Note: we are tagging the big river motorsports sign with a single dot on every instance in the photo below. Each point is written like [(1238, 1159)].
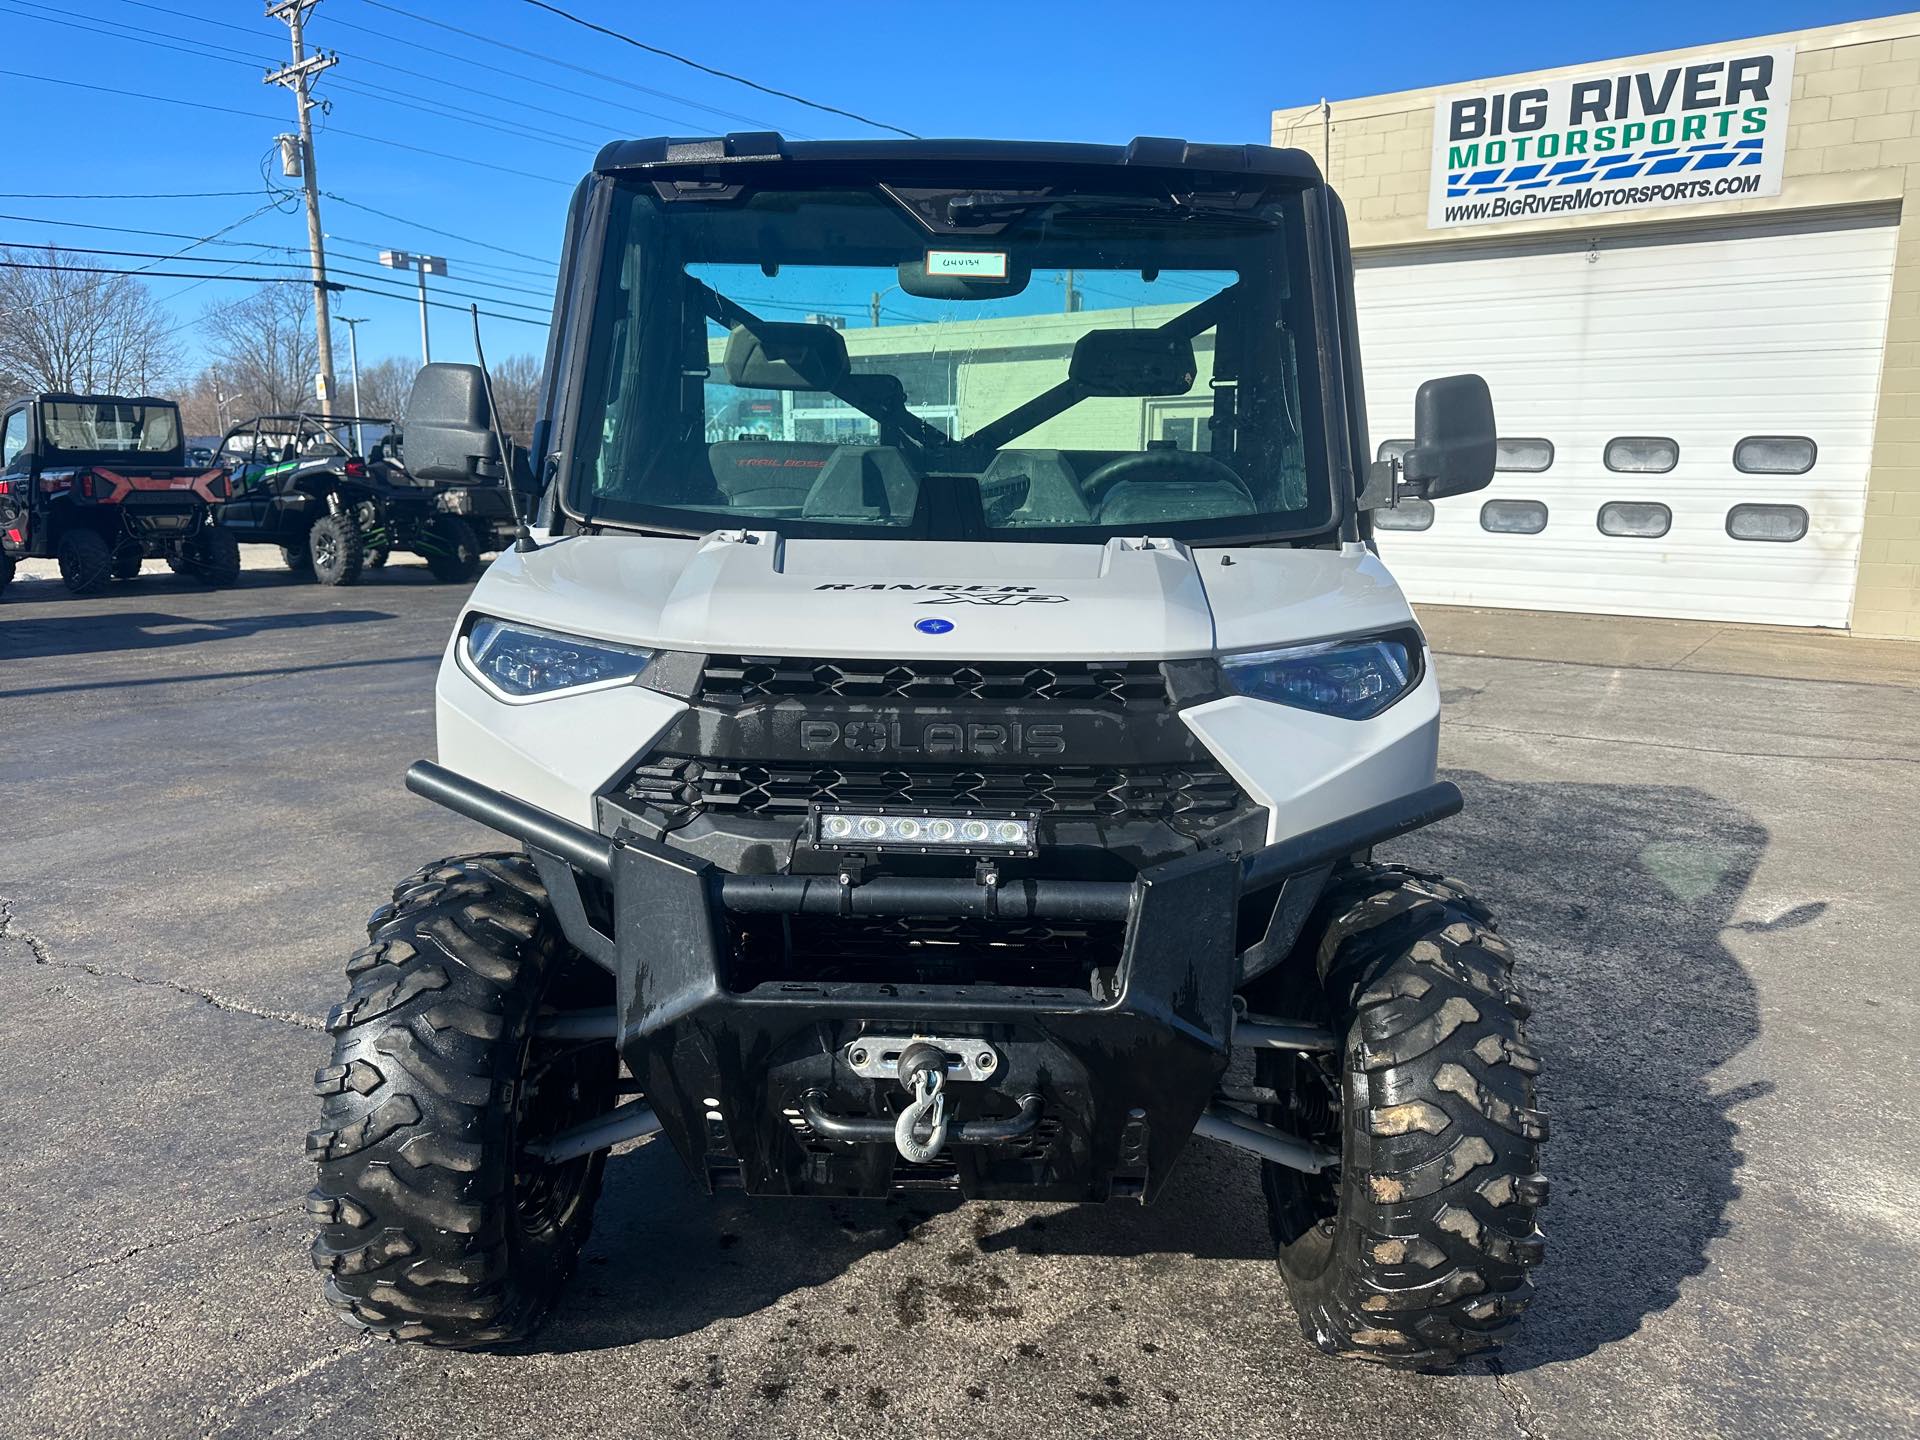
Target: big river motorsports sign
[(1708, 129)]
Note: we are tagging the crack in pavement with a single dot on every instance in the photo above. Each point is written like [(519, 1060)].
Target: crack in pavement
[(1516, 1402), (11, 929), (131, 1251)]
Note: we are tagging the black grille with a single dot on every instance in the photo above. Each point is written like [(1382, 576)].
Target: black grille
[(732, 681), (681, 786)]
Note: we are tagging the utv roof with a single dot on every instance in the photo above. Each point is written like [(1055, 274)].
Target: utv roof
[(1144, 152), (62, 397)]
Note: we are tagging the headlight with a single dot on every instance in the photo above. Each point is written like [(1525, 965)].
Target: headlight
[(524, 660), (1354, 679)]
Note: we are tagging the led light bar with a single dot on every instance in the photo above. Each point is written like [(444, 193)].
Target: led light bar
[(926, 832)]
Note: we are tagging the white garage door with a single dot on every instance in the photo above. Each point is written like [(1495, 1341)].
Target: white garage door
[(1686, 415)]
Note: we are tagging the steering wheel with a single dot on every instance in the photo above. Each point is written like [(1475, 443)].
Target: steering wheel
[(1160, 465)]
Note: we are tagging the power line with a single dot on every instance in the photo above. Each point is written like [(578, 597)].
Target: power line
[(246, 30), (276, 120), (142, 195), (362, 58), (525, 79), (205, 48), (465, 260), (434, 230), (488, 281), (696, 65), (285, 249), (259, 280), (214, 238), (464, 117), (569, 65), (480, 281), (139, 34), (332, 265)]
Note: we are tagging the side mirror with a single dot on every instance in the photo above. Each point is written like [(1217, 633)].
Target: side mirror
[(1454, 443), (450, 435)]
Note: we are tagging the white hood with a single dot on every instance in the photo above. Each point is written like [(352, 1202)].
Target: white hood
[(738, 592)]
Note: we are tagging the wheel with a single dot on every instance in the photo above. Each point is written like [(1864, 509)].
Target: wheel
[(6, 572), (1419, 1247), (299, 559), (212, 557), (377, 557), (435, 1226), (450, 549), (334, 544), (127, 562), (86, 561)]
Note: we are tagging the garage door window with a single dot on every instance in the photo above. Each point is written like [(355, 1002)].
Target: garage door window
[(1513, 517), (1641, 455), (1644, 519), (1526, 457), (1774, 455), (1407, 515), (1780, 523)]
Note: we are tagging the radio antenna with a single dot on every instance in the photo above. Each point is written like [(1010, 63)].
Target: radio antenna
[(522, 536)]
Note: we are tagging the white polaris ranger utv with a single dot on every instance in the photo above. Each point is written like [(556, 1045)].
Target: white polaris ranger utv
[(946, 704)]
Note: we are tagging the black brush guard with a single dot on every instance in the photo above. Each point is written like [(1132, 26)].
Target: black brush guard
[(1097, 1093)]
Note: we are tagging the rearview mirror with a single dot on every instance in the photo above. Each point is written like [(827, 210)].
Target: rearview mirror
[(964, 275), (783, 355), (1453, 439), (1132, 362)]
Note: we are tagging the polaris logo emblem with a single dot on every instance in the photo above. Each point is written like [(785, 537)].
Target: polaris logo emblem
[(933, 737)]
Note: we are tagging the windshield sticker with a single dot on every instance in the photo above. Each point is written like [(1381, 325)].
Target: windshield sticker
[(976, 264), (930, 626)]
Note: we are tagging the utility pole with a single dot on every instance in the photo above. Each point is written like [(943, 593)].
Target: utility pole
[(353, 359), (298, 77), (426, 265)]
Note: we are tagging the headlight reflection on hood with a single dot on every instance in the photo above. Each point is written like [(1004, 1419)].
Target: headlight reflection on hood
[(523, 660), (1353, 679)]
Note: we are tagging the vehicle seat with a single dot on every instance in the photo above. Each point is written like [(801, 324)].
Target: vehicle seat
[(762, 474), (863, 482)]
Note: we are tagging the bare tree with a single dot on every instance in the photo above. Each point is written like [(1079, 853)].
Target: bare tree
[(516, 390), (384, 387), (64, 329), (264, 349)]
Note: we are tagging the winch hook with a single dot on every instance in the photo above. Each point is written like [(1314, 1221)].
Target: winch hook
[(923, 1072)]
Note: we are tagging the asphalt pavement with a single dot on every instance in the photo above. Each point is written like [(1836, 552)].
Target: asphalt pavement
[(1706, 870)]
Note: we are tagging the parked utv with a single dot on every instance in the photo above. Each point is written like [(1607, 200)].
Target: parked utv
[(100, 483), (481, 501), (945, 754), (301, 482)]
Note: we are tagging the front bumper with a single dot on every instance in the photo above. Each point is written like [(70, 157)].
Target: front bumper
[(1098, 1090)]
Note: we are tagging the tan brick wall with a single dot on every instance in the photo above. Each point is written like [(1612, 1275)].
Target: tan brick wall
[(1853, 138)]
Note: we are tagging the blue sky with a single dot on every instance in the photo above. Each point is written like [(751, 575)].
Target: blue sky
[(1200, 69)]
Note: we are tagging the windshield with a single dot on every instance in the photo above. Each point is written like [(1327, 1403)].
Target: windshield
[(1037, 366), (99, 427)]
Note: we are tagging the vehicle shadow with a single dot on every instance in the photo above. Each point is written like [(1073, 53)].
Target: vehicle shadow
[(1615, 898), (91, 632)]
